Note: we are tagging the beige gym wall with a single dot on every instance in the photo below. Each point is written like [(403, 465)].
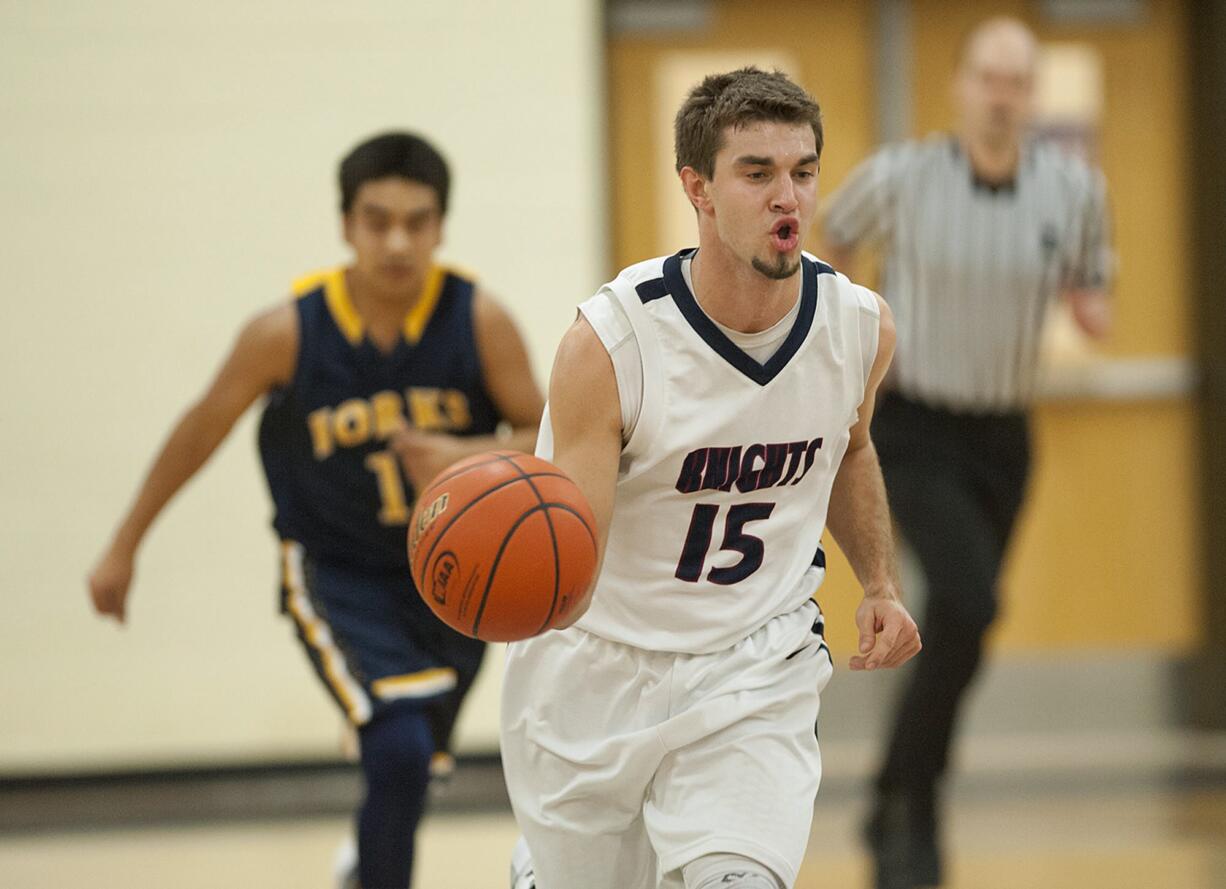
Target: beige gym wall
[(167, 170)]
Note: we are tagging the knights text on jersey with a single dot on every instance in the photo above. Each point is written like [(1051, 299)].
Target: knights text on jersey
[(337, 487), (725, 481)]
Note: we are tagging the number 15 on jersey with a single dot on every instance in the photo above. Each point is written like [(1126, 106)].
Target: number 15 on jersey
[(736, 539)]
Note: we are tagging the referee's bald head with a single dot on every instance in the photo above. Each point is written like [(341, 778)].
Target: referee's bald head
[(1001, 35), (994, 85)]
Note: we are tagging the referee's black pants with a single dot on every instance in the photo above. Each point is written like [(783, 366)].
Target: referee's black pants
[(955, 484)]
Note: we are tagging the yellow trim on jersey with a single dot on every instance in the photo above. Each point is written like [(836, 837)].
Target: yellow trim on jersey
[(415, 685), (345, 313), (336, 295), (311, 281), (319, 636), (423, 310)]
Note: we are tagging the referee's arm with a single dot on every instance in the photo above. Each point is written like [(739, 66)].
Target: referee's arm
[(1088, 281), (860, 210)]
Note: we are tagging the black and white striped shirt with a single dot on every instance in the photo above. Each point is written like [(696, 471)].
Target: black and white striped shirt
[(970, 268)]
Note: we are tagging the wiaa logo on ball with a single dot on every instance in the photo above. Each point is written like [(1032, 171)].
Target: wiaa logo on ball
[(446, 567)]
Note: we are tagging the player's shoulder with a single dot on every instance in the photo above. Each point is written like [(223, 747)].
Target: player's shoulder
[(642, 282), (268, 342), (607, 318), (458, 284), (316, 282), (640, 276), (837, 287), (635, 291), (453, 272)]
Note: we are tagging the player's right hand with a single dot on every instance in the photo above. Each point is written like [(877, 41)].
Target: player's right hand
[(109, 582), (888, 635)]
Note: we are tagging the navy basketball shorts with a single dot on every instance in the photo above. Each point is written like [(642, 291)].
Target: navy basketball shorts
[(373, 642)]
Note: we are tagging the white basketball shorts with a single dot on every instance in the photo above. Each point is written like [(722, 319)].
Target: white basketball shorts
[(623, 764)]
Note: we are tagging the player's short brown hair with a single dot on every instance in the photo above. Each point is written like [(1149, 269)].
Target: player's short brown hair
[(747, 95), (406, 155)]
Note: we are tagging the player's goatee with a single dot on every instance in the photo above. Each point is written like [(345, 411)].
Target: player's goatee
[(779, 271)]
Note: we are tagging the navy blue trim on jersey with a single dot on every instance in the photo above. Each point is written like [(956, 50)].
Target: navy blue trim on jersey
[(819, 630), (718, 340), (819, 558), (651, 290)]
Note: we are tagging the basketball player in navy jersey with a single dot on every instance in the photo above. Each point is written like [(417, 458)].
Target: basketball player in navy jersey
[(714, 408), (375, 376)]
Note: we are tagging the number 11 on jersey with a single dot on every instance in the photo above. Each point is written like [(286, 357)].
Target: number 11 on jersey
[(698, 541)]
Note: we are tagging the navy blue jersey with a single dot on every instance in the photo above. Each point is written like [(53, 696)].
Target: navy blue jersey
[(336, 487)]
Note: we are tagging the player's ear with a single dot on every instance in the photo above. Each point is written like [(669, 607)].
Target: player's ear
[(347, 228), (695, 185)]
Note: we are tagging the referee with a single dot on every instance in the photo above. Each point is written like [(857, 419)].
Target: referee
[(978, 231)]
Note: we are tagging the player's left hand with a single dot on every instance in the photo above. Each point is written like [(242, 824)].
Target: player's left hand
[(424, 454), (888, 635)]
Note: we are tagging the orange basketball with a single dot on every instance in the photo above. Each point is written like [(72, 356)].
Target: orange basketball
[(502, 546)]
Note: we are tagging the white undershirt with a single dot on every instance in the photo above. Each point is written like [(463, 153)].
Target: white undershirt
[(759, 346)]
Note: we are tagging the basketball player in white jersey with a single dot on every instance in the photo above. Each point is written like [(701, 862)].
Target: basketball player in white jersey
[(713, 406)]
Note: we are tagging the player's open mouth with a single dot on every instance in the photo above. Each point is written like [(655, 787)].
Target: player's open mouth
[(785, 235)]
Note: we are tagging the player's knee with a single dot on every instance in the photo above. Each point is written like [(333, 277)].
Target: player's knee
[(396, 747), (725, 871)]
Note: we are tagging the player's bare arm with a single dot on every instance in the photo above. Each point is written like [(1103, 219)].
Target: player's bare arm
[(585, 417), (508, 378), (263, 357), (859, 519)]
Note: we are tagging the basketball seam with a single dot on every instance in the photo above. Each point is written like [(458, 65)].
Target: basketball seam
[(566, 507), (470, 504), (502, 548), (557, 565), (553, 539), (446, 478), (543, 506)]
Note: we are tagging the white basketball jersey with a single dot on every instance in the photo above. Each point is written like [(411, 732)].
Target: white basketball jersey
[(726, 475)]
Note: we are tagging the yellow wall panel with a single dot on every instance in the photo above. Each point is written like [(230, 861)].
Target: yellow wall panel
[(1105, 551)]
